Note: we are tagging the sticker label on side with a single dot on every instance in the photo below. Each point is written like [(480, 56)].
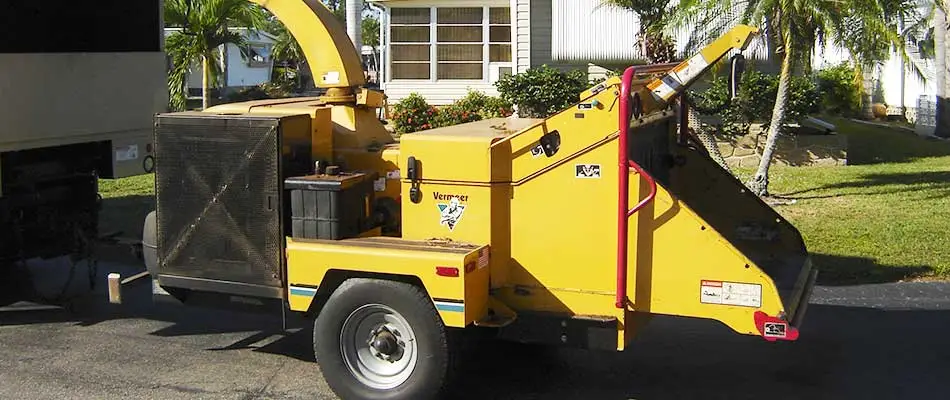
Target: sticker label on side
[(662, 89), (587, 171), (394, 174), (687, 71), (775, 329), (331, 77), (585, 106), (483, 258), (451, 213), (731, 293), (537, 151), (127, 153), (379, 185)]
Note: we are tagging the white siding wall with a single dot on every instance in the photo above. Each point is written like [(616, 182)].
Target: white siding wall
[(589, 31), (439, 94), (522, 9)]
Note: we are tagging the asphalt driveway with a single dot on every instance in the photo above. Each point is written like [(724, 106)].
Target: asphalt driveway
[(877, 341)]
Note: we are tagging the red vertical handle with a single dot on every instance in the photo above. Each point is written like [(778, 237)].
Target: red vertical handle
[(623, 173), (624, 163)]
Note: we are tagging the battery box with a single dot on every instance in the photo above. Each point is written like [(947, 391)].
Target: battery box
[(330, 206)]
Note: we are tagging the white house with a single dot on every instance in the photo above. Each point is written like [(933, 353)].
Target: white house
[(442, 48), (237, 71)]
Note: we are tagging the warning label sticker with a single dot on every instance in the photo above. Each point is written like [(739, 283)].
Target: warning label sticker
[(685, 72), (483, 258), (127, 153), (730, 293), (663, 89)]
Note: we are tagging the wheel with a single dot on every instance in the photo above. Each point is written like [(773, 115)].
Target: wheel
[(378, 339)]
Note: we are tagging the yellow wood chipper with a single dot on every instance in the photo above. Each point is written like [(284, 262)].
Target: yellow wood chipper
[(570, 230)]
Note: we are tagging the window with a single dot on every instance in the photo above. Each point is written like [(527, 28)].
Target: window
[(410, 33), (450, 43), (258, 55)]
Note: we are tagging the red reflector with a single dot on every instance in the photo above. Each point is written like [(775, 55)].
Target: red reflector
[(447, 271), (469, 267)]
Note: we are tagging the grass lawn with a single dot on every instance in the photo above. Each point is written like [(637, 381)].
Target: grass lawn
[(884, 217)]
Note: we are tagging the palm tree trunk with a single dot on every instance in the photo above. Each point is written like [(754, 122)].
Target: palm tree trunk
[(759, 184), (867, 99), (942, 121), (205, 72)]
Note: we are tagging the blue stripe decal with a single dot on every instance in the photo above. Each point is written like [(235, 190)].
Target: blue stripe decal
[(449, 307), (302, 291)]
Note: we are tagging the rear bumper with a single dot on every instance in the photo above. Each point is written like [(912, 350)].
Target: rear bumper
[(786, 327), (798, 316)]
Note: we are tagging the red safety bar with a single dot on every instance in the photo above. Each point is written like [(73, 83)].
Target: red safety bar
[(624, 164)]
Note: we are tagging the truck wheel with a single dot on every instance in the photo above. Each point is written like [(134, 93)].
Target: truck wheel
[(378, 339)]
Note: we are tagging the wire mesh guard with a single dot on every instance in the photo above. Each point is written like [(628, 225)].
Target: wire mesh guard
[(217, 190)]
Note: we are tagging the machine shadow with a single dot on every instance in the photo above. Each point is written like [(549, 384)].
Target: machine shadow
[(844, 353), (837, 270)]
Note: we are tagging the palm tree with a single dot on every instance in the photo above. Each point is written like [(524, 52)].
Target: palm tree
[(657, 47), (286, 50), (204, 28), (795, 26), (654, 44)]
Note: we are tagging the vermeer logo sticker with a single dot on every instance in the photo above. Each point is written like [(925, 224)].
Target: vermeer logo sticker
[(587, 171), (451, 212)]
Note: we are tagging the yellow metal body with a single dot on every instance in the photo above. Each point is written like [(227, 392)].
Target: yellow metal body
[(459, 300), (529, 231)]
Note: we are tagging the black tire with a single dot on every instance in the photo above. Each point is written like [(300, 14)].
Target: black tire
[(431, 367)]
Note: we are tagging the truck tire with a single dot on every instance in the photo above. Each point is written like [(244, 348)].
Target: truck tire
[(378, 339), (150, 244)]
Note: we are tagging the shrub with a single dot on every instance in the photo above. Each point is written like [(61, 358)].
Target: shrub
[(474, 106), (496, 107), (484, 105), (413, 114), (454, 114), (756, 100), (838, 90), (542, 91)]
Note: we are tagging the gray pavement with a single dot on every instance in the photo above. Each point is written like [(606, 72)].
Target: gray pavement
[(885, 341)]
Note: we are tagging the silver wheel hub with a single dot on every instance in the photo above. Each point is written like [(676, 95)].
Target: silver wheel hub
[(378, 346)]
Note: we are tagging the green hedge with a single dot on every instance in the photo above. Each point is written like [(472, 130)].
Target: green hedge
[(543, 91), (413, 113), (840, 93), (831, 91), (756, 100)]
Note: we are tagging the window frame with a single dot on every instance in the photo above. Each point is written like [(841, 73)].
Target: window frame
[(488, 66)]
